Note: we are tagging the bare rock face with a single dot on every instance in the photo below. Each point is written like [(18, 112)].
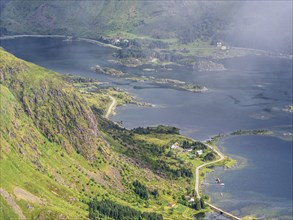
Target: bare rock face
[(57, 110), (64, 118)]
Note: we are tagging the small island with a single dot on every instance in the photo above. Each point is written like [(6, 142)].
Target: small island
[(252, 132), (173, 83), (208, 66), (108, 71)]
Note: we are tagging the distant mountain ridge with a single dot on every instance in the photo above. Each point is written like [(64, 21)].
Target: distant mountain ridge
[(243, 23)]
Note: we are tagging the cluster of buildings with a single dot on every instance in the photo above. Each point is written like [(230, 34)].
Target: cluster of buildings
[(188, 198), (119, 40), (176, 145), (221, 46)]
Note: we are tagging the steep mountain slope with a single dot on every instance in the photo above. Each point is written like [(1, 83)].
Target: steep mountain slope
[(39, 131), (55, 108), (60, 156)]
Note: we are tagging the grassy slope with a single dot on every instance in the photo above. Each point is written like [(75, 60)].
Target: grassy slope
[(56, 109), (64, 176), (26, 153)]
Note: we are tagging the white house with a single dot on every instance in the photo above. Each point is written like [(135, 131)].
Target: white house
[(219, 44), (191, 199), (117, 41), (199, 152), (224, 47), (175, 146)]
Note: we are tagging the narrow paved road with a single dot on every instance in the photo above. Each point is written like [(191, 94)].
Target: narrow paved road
[(111, 107), (196, 187)]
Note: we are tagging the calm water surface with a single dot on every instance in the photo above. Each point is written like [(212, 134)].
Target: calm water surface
[(251, 94), (262, 187)]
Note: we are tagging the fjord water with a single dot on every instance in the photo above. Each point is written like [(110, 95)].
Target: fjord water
[(251, 94), (262, 185)]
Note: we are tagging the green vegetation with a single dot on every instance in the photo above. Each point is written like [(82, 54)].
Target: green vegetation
[(252, 132), (161, 129), (210, 156), (169, 83), (123, 18), (53, 131), (140, 190), (6, 213), (108, 71), (108, 208), (151, 153), (156, 33), (196, 204)]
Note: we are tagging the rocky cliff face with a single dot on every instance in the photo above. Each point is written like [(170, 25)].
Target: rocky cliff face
[(56, 109)]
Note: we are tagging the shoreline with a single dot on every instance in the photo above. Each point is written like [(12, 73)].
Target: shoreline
[(59, 36), (111, 108), (257, 52), (197, 182), (242, 163)]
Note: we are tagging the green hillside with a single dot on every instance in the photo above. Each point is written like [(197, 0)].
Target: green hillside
[(238, 23), (61, 159), (93, 18)]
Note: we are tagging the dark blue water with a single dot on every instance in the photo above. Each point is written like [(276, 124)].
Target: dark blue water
[(262, 187), (251, 94)]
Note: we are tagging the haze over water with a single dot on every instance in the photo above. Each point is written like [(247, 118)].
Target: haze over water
[(251, 94)]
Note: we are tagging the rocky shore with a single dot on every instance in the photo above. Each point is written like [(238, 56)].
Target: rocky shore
[(108, 71), (208, 66)]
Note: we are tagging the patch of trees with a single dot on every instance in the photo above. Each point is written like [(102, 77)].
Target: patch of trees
[(155, 193), (133, 53), (209, 156), (198, 145), (158, 44), (108, 208), (246, 132), (150, 153), (141, 190), (197, 204), (186, 144), (161, 129), (181, 171), (195, 144)]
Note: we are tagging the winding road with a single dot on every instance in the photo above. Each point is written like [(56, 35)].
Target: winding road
[(196, 187), (111, 107)]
